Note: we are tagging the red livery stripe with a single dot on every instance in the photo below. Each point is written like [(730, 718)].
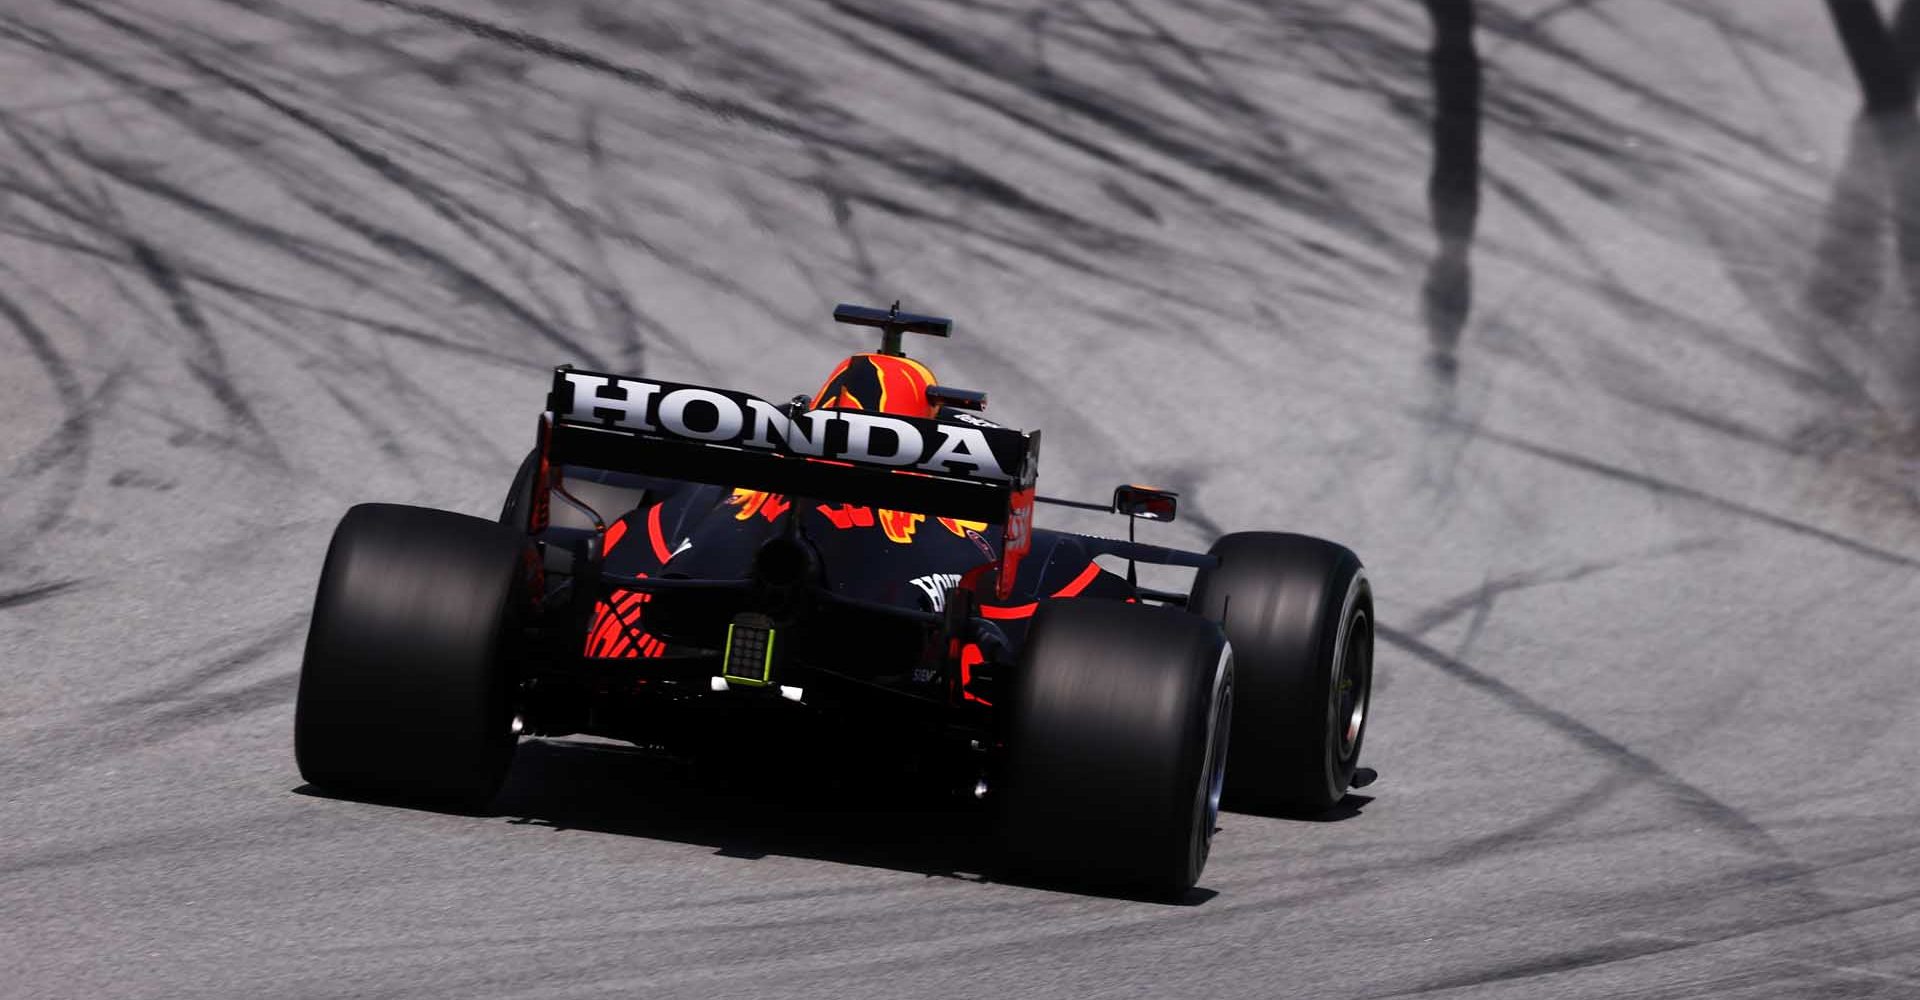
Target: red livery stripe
[(660, 550), (1072, 589)]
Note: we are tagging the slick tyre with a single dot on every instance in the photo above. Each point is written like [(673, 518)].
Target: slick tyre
[(1116, 746), (513, 510), (1299, 612), (404, 691)]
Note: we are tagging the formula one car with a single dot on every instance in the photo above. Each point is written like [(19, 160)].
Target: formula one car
[(704, 571)]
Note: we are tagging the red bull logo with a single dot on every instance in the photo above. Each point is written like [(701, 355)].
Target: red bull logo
[(960, 528), (751, 502), (847, 516), (900, 525)]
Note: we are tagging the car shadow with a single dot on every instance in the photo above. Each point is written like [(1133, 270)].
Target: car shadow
[(609, 788), (874, 822), (1345, 809)]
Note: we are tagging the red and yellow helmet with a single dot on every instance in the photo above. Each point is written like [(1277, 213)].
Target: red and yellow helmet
[(878, 383)]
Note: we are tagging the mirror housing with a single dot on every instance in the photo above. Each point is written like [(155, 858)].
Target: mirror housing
[(1146, 502), (959, 399)]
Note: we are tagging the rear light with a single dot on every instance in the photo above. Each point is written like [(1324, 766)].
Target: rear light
[(750, 648)]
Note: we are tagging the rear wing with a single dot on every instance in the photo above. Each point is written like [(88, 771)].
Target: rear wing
[(728, 438)]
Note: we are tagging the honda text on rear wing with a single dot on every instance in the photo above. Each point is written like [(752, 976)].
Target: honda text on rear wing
[(728, 438)]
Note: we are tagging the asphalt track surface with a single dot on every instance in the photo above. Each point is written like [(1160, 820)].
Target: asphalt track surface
[(1595, 330)]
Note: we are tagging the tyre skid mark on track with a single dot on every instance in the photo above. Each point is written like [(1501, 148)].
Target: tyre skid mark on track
[(725, 109), (454, 274), (1664, 487), (461, 213), (1689, 797), (33, 595), (1525, 33), (1607, 284), (226, 835), (867, 276), (1217, 99), (934, 169), (197, 274), (269, 301), (1041, 248), (97, 212), (206, 710), (168, 710), (168, 102), (322, 256), (1318, 197), (1144, 927), (927, 167), (1681, 897), (1694, 800), (326, 259), (1478, 602), (1845, 276), (620, 319), (1512, 106), (1624, 950), (1638, 945), (61, 755), (65, 453), (1648, 905), (208, 364), (1481, 598), (274, 637), (1341, 884), (389, 443)]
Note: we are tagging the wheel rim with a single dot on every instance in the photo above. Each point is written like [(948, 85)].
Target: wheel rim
[(1352, 686), (1217, 759), (1213, 774)]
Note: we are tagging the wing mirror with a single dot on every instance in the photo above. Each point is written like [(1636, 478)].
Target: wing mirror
[(959, 399), (1146, 502)]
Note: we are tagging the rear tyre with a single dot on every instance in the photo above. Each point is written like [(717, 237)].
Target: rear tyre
[(404, 691), (513, 510), (1117, 746), (1299, 612)]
